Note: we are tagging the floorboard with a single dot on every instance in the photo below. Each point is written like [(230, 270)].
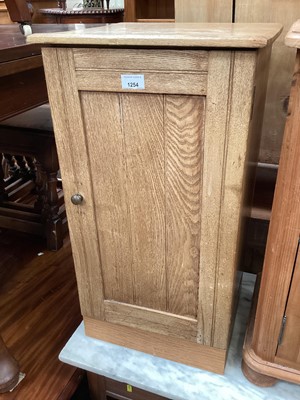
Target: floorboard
[(39, 310)]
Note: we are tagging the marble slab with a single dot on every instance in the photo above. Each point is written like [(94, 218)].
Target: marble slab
[(173, 380)]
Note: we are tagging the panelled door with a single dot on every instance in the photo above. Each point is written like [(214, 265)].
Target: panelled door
[(155, 143)]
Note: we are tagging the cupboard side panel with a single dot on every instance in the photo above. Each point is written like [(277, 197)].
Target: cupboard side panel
[(214, 141), (233, 188), (75, 168), (107, 153), (184, 132)]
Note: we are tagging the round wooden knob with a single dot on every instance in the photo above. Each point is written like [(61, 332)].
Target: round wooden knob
[(77, 199)]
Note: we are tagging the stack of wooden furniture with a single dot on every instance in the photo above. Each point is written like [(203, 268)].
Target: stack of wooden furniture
[(272, 346), (156, 216)]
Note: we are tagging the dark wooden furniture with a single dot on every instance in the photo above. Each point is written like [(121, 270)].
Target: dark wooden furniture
[(102, 388), (86, 16), (30, 199), (22, 88), (272, 346), (149, 10)]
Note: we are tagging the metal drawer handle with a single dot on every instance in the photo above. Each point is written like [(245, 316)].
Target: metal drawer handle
[(77, 199)]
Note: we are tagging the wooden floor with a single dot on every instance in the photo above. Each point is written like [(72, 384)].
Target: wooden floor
[(39, 311)]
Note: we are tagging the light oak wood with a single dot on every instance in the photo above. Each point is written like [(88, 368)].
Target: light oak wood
[(177, 241), (69, 133), (184, 119), (140, 59), (163, 190), (151, 320), (175, 349), (155, 82), (178, 35), (203, 10), (281, 68)]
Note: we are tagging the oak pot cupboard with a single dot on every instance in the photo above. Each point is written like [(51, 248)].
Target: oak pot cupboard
[(157, 129)]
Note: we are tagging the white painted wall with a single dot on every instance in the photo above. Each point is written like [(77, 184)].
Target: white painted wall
[(112, 3)]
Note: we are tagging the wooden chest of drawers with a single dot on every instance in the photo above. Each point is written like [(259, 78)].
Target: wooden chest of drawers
[(155, 126)]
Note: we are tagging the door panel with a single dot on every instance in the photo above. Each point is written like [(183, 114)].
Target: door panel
[(183, 130), (145, 154)]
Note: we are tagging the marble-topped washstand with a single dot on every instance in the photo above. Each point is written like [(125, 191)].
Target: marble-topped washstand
[(172, 380)]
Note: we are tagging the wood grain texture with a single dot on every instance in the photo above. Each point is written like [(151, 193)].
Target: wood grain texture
[(289, 349), (151, 320), (164, 193), (213, 155), (228, 110), (283, 235), (165, 34), (184, 129), (136, 210), (109, 180), (281, 69), (173, 349), (143, 130), (71, 147), (233, 188), (145, 155), (141, 59), (203, 10), (39, 311), (155, 82)]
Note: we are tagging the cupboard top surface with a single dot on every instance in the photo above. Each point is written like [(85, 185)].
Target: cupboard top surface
[(237, 35), (292, 38)]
